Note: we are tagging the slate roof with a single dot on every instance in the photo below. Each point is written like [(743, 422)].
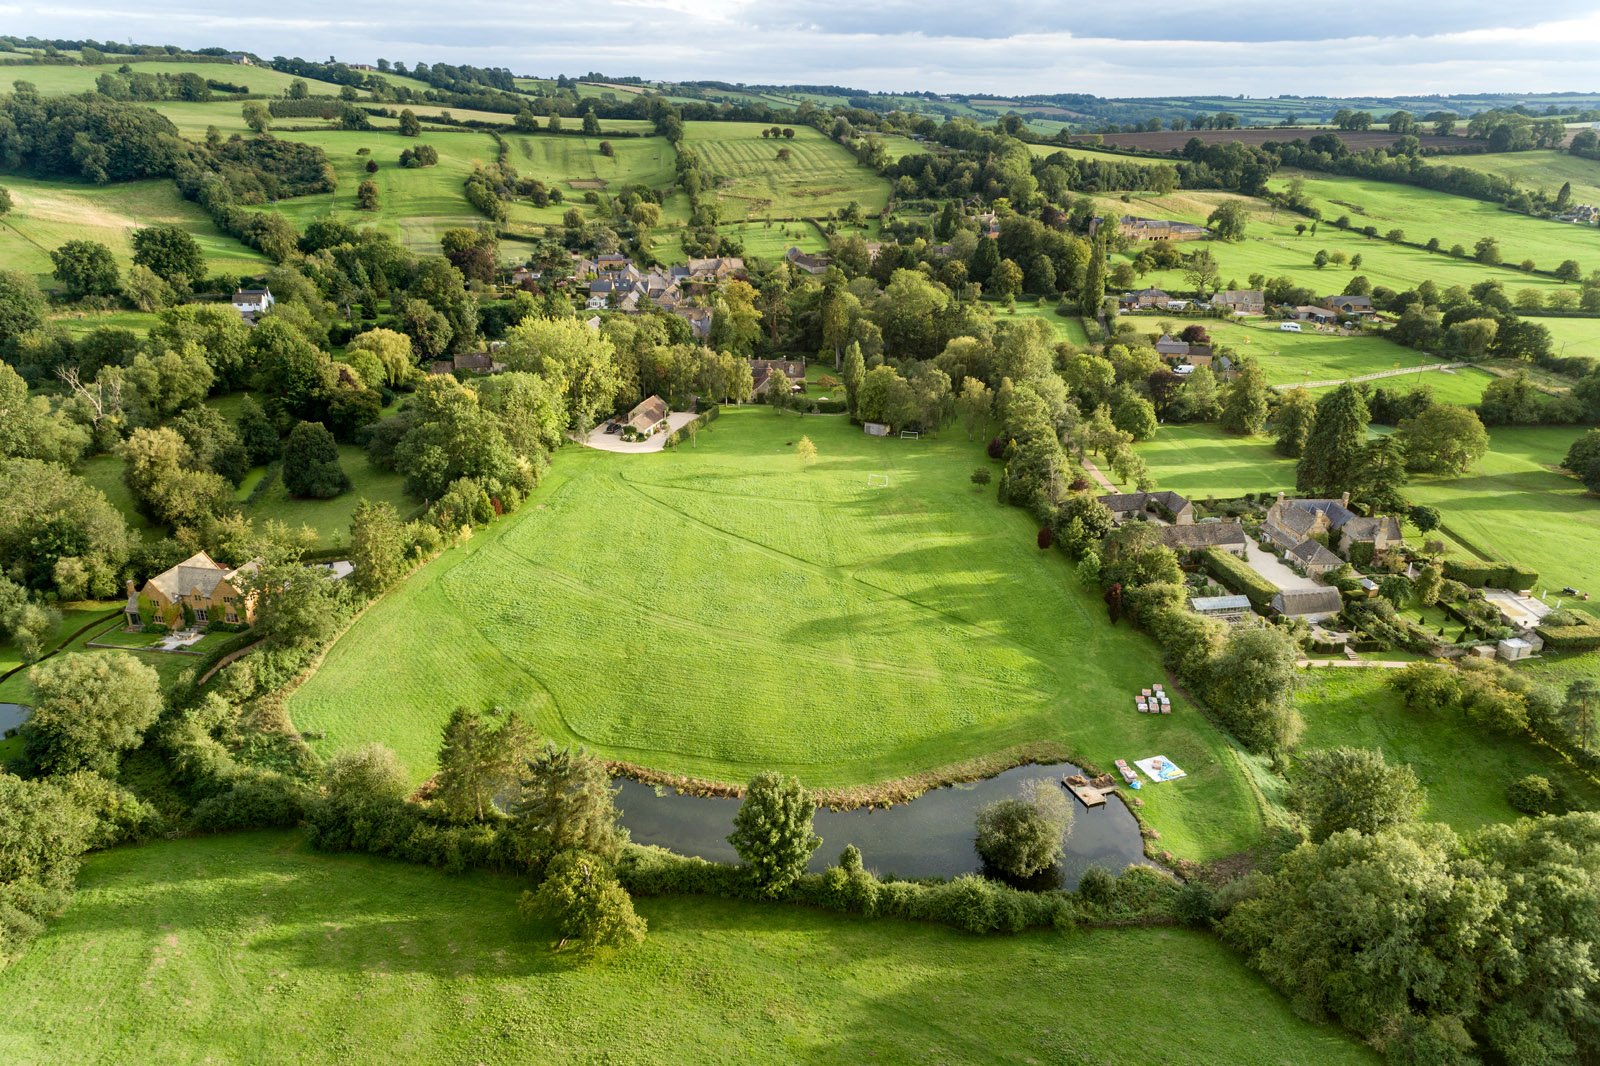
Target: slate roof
[(199, 571), (1207, 535), (1311, 553), (650, 412), (1138, 501)]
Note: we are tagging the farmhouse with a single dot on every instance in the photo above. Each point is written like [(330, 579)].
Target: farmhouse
[(1241, 301), (762, 371), (1314, 559), (1319, 315), (811, 264), (1291, 523), (1158, 229), (212, 593), (1168, 505), (1144, 299), (1229, 536), (252, 302), (649, 416), (1349, 305)]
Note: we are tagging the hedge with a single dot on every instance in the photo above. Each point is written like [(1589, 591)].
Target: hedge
[(1490, 575), (1571, 638), (703, 419), (1239, 577)]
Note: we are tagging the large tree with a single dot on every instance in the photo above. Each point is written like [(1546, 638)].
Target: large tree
[(479, 758), (311, 463), (1443, 439), (171, 252), (1293, 420), (1352, 788), (1024, 836), (589, 907), (87, 710), (772, 831), (1244, 401), (1335, 452), (1252, 689), (566, 802), (85, 268), (579, 361)]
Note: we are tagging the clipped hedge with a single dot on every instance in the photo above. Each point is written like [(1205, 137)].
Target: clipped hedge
[(1239, 577), (1571, 638), (1479, 575), (702, 420)]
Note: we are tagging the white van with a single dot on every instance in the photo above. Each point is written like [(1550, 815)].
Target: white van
[(1288, 327)]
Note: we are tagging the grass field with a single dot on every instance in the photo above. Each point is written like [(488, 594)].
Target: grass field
[(417, 206), (560, 161), (1425, 213), (820, 177), (654, 607), (16, 689), (62, 80), (1068, 329), (1540, 171), (331, 518), (1200, 460), (1272, 248), (1574, 336), (1295, 358), (47, 214), (252, 948), (78, 323), (1464, 769), (104, 472), (1516, 505), (74, 616)]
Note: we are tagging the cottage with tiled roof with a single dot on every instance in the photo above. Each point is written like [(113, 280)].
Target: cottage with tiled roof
[(649, 416), (1168, 505), (1228, 536), (211, 592)]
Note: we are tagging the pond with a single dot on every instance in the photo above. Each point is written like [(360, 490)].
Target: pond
[(11, 716), (932, 836)]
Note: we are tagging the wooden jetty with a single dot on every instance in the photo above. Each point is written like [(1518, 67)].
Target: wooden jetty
[(1088, 795)]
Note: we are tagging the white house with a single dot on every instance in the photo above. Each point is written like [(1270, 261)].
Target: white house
[(252, 301)]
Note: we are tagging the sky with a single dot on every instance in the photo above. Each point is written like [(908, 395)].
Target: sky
[(1104, 47)]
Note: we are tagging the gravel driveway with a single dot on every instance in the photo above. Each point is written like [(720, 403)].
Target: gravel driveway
[(600, 440)]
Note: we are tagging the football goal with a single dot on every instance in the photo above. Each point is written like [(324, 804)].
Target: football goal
[(877, 481), (910, 434)]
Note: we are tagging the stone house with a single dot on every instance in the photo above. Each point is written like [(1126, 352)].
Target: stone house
[(1290, 523), (1167, 505), (1241, 301), (212, 592)]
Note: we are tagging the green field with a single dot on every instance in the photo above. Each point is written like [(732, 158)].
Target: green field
[(722, 610), (252, 948), (1272, 248), (416, 206), (819, 178), (1199, 460), (575, 166), (1574, 336), (1067, 329), (1425, 213), (104, 472), (168, 665), (1542, 171), (61, 80), (47, 214), (331, 518), (78, 323), (1463, 769), (1517, 506), (1296, 358)]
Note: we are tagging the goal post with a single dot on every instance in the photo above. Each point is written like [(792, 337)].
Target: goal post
[(877, 481), (910, 434)]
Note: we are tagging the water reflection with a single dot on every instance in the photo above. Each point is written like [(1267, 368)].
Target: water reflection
[(932, 836)]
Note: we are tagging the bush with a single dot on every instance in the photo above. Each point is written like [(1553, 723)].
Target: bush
[(997, 448), (1535, 795), (1571, 638), (1238, 577), (256, 801), (1045, 537), (1476, 574), (1097, 886)]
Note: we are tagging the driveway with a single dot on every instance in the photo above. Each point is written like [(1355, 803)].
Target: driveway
[(1273, 569), (600, 440)]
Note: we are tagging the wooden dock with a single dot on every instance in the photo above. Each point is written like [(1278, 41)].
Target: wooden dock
[(1089, 795)]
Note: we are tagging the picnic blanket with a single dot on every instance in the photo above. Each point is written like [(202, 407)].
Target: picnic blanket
[(1159, 768)]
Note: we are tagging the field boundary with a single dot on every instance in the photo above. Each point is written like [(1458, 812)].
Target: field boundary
[(1431, 367)]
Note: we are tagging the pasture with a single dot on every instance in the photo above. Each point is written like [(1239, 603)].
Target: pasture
[(1068, 329), (653, 607), (47, 214), (1519, 506), (1298, 358), (1174, 140), (249, 947), (1574, 336), (1463, 768), (53, 80), (820, 177), (416, 206), (1200, 460), (1541, 171)]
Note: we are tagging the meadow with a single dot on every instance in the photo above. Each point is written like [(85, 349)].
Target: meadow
[(1463, 769), (53, 80), (1200, 460), (1574, 336), (1066, 329), (1541, 171), (48, 214), (654, 608), (416, 206), (1299, 358), (251, 947), (1272, 248), (1517, 505), (819, 178), (331, 518)]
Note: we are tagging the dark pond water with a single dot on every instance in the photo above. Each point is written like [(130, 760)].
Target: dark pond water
[(11, 716), (929, 837)]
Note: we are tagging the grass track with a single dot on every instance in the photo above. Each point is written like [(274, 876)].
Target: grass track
[(720, 610), (251, 948)]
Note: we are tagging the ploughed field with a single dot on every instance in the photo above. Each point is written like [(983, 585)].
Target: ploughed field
[(723, 609)]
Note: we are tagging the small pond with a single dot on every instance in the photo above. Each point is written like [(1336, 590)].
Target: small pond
[(932, 836), (11, 716)]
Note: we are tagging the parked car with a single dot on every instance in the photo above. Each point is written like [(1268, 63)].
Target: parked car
[(613, 427)]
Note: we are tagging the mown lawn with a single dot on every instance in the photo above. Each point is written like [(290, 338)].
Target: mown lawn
[(1067, 329), (17, 689), (1517, 505), (1200, 460), (1464, 769), (251, 948), (331, 518), (1299, 358), (720, 610), (47, 214), (819, 177)]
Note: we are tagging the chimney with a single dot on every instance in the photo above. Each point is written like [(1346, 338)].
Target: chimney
[(1344, 501), (130, 587), (1280, 495)]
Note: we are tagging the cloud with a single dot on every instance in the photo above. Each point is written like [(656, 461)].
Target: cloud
[(1157, 48)]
